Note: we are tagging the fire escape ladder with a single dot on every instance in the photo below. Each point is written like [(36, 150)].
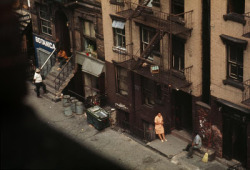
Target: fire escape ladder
[(137, 12)]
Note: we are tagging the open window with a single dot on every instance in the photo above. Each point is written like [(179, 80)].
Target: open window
[(178, 53), (89, 40), (235, 11)]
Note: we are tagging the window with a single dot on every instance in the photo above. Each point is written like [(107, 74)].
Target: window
[(178, 54), (119, 34), (152, 92), (91, 85), (121, 81), (178, 7), (146, 35), (235, 11), (235, 63), (236, 6), (117, 2), (89, 40), (45, 20), (234, 51), (142, 2)]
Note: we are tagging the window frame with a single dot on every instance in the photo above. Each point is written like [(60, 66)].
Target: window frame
[(143, 44), (180, 54), (155, 92), (236, 63), (124, 80), (88, 39), (45, 22), (122, 37)]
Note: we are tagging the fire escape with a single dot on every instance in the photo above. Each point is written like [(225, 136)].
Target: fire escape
[(163, 23), (246, 84)]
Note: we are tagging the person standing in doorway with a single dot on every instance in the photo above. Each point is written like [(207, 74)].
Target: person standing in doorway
[(39, 82), (159, 129)]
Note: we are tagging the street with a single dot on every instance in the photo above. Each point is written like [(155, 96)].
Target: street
[(112, 144)]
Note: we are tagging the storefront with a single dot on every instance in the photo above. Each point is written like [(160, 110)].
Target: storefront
[(43, 49)]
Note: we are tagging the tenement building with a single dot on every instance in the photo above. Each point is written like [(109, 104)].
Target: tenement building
[(189, 60), (76, 28)]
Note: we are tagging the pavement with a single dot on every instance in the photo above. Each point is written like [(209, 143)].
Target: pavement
[(117, 145)]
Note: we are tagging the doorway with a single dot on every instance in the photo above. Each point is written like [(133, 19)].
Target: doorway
[(62, 31), (234, 139), (182, 109)]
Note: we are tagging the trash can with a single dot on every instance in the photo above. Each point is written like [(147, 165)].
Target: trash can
[(66, 99), (79, 108), (98, 117), (73, 105), (67, 109)]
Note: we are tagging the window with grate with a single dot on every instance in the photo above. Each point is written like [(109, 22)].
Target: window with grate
[(45, 20)]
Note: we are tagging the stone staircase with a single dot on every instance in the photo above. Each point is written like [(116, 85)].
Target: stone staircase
[(55, 83)]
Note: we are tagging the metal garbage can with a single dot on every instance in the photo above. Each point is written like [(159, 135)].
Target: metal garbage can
[(79, 108), (73, 105), (98, 117), (67, 109), (66, 99)]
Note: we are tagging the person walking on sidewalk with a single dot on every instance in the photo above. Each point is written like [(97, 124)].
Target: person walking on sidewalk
[(39, 82), (159, 129), (196, 144)]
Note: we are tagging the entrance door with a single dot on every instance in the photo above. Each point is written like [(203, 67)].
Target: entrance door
[(182, 110), (234, 140)]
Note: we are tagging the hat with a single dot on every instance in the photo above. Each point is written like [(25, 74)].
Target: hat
[(37, 70)]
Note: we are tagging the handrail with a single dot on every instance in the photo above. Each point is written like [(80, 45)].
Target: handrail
[(62, 72), (48, 58)]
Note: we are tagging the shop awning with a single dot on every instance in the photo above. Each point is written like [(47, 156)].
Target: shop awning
[(93, 66), (118, 24)]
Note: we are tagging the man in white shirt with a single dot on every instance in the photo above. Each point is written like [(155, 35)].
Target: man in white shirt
[(39, 82), (196, 144)]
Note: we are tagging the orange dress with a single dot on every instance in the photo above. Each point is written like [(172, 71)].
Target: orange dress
[(159, 129)]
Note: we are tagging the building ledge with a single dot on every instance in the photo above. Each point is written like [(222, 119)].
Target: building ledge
[(235, 17)]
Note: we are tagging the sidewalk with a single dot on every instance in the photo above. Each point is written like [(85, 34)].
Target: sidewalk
[(172, 149)]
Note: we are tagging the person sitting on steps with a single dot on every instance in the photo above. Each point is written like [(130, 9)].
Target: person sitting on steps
[(196, 144), (62, 58)]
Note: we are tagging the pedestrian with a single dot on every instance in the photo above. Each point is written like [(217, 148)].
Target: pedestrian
[(159, 129), (62, 58), (195, 145), (39, 82)]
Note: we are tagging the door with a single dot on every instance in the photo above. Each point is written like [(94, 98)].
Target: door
[(182, 110), (234, 140)]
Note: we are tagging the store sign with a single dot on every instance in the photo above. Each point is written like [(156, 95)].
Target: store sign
[(44, 42)]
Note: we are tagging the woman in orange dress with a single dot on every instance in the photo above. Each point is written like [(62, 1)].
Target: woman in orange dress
[(159, 129)]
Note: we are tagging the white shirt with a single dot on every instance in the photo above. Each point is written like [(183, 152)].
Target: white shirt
[(197, 141), (38, 78)]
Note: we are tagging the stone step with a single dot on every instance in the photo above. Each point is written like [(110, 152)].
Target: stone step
[(182, 134)]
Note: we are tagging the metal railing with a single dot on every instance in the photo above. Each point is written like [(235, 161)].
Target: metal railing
[(64, 73), (246, 92), (184, 19), (246, 28), (187, 72)]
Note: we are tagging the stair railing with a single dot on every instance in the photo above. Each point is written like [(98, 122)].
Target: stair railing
[(63, 74)]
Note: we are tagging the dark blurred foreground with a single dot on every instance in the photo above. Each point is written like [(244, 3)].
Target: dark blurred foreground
[(26, 142)]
